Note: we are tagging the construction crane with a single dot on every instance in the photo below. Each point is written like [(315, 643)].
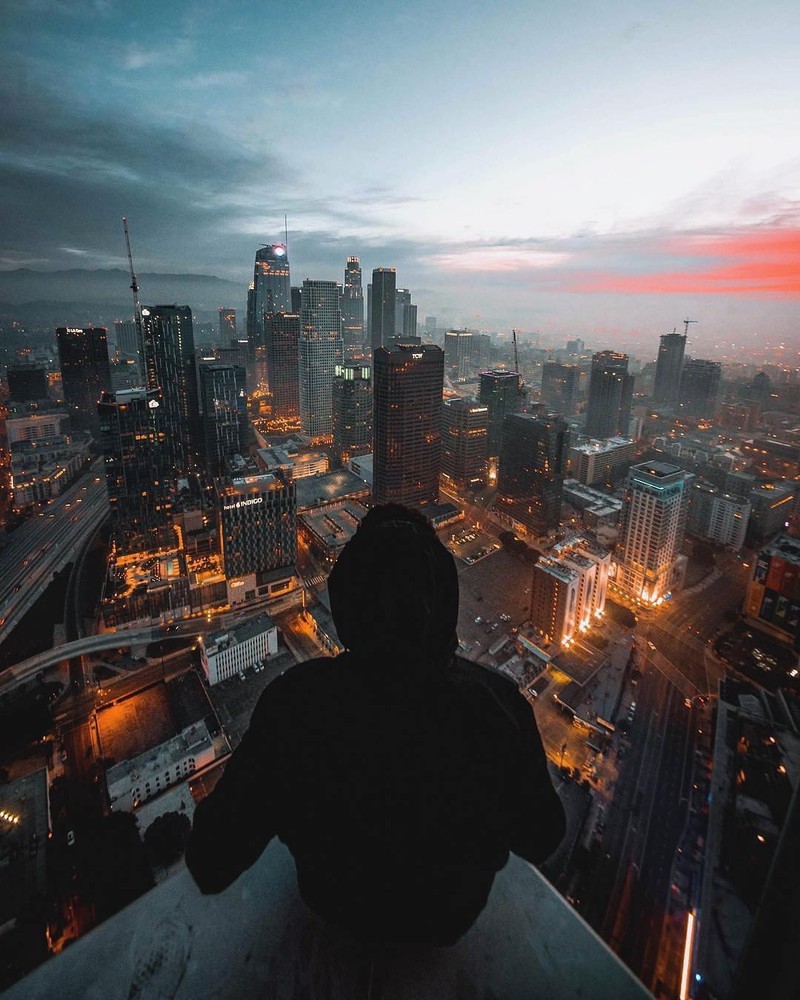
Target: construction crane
[(137, 309), (686, 323)]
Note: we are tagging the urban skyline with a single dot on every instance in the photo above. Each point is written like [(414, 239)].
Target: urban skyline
[(596, 211)]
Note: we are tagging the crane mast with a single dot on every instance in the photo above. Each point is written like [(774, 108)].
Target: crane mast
[(686, 323), (137, 309)]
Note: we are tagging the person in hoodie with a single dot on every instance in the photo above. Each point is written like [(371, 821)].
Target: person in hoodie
[(398, 774)]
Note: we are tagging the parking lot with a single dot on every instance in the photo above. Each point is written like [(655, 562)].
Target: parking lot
[(469, 543)]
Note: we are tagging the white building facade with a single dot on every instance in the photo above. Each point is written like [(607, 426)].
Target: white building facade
[(228, 653)]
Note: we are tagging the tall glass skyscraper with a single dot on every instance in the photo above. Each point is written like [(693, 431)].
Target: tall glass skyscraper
[(352, 410), (353, 310), (668, 368), (85, 372), (530, 481), (223, 413), (499, 391), (283, 335), (408, 383), (320, 351), (560, 387), (382, 304), (608, 412), (699, 390), (272, 293)]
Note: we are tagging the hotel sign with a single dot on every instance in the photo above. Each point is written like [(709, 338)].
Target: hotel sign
[(242, 503)]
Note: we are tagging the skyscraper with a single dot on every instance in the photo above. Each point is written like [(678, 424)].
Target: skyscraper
[(272, 293), (282, 337), (258, 526), (668, 368), (464, 428), (85, 372), (138, 465), (127, 337), (408, 382), (560, 387), (405, 314), (458, 353), (499, 391), (353, 310), (320, 350), (530, 481), (26, 383), (699, 390), (223, 413), (651, 530), (170, 366), (227, 325), (610, 396), (382, 305), (352, 410)]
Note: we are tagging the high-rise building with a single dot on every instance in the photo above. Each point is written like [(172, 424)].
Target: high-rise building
[(283, 337), (481, 356), (602, 461), (651, 530), (499, 391), (223, 413), (773, 596), (257, 526), (699, 389), (560, 387), (272, 293), (530, 480), (382, 306), (320, 351), (227, 325), (170, 365), (405, 314), (458, 353), (353, 310), (127, 337), (771, 507), (408, 383), (85, 372), (27, 383), (608, 412), (464, 429), (576, 346), (569, 589), (352, 410), (138, 465), (717, 516), (668, 368)]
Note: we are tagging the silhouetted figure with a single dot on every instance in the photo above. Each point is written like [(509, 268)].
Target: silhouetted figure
[(398, 774)]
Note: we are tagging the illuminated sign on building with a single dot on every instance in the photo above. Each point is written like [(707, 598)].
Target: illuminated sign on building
[(242, 503)]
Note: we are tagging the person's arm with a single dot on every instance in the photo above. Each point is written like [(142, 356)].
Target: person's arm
[(234, 824), (538, 821)]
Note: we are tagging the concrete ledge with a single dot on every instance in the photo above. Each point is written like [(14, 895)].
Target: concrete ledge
[(257, 939)]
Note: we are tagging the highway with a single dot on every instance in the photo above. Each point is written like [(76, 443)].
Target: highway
[(46, 543)]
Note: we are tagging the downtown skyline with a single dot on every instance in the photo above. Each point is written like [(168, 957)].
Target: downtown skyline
[(559, 171)]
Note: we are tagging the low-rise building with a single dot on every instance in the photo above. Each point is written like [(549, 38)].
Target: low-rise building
[(142, 777), (225, 654)]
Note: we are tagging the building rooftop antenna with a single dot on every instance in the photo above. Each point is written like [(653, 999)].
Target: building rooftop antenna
[(137, 309)]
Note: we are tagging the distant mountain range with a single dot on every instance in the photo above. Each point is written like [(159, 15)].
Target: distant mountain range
[(101, 295)]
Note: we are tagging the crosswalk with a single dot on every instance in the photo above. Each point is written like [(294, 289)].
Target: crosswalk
[(315, 582)]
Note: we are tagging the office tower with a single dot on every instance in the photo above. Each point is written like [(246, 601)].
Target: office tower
[(353, 310), (405, 314), (232, 353), (530, 480), (668, 368), (717, 516), (27, 383), (576, 346), (499, 391), (223, 413), (458, 354), (560, 387), (382, 306), (771, 507), (481, 355), (297, 299), (227, 325), (271, 294), (651, 530), (554, 600), (773, 595), (465, 425), (320, 350), (257, 525), (170, 365), (761, 389), (699, 388), (430, 324), (283, 336), (127, 337), (85, 372), (138, 466), (610, 396), (352, 411), (408, 382)]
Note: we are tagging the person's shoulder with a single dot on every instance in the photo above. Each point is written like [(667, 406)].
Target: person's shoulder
[(469, 672), (297, 681)]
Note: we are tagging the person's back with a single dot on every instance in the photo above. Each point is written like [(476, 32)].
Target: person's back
[(399, 778)]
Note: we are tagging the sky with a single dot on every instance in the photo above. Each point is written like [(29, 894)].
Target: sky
[(579, 168)]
